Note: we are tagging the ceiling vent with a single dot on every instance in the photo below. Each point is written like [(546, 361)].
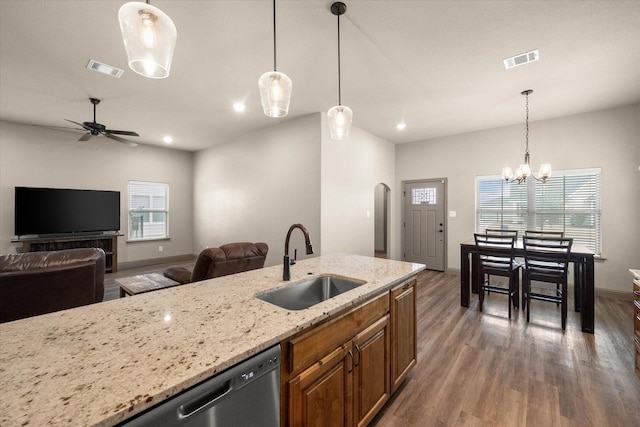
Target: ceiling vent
[(105, 69), (521, 59)]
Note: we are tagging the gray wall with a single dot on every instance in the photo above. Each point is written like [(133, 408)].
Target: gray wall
[(254, 188), (608, 139), (351, 170), (38, 157)]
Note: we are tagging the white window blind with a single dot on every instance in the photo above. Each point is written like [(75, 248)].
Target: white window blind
[(148, 210), (570, 201)]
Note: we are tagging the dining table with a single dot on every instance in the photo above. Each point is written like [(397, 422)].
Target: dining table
[(580, 256)]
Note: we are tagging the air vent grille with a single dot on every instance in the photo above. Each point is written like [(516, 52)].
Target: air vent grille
[(104, 69), (521, 59)]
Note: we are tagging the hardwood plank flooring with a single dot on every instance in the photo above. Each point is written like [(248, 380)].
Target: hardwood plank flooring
[(482, 369)]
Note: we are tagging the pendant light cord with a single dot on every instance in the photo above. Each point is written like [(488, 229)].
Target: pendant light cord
[(339, 85), (527, 123), (274, 36)]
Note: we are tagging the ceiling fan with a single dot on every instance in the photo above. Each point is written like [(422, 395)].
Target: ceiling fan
[(94, 129)]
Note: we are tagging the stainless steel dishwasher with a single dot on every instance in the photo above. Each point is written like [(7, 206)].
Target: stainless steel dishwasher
[(247, 394)]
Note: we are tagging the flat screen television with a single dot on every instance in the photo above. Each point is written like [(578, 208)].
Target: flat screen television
[(59, 211)]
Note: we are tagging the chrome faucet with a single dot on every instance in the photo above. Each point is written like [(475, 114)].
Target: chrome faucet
[(286, 274)]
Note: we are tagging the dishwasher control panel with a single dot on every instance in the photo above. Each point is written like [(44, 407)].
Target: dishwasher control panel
[(258, 369)]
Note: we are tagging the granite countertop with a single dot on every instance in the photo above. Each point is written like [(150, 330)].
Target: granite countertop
[(635, 273), (103, 363)]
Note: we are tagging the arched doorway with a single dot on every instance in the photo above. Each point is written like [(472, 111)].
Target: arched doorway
[(381, 220)]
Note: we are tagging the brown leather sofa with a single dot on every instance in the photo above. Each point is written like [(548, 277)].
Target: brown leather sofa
[(36, 283), (227, 259)]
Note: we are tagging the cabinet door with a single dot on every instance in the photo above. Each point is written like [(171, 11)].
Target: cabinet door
[(371, 385), (403, 333), (321, 395)]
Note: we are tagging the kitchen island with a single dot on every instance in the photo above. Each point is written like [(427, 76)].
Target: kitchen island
[(104, 363)]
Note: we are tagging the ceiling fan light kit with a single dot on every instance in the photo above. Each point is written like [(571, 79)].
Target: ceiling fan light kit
[(339, 116), (275, 87), (149, 38)]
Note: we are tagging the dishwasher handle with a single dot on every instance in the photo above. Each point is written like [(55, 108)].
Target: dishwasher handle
[(202, 402)]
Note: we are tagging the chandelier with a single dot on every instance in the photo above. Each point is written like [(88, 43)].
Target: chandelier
[(524, 170)]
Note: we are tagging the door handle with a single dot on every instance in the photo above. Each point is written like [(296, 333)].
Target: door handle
[(351, 355)]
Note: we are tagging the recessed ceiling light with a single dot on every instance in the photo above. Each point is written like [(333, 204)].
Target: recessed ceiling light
[(401, 126), (104, 69), (521, 59), (239, 107), (167, 139)]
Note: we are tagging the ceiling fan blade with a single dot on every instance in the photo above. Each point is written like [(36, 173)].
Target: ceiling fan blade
[(124, 141), (79, 124), (85, 137), (121, 132)]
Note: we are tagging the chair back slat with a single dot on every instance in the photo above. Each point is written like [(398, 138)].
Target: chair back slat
[(501, 232), (544, 234)]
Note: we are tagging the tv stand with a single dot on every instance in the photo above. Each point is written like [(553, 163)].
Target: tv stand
[(106, 242)]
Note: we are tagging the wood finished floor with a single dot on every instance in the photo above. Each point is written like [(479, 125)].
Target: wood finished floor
[(482, 369)]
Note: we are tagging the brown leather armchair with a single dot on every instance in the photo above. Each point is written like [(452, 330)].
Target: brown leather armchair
[(227, 259), (36, 283)]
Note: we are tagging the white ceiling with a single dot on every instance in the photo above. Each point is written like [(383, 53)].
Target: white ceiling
[(436, 65)]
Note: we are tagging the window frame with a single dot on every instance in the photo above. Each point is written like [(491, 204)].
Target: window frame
[(149, 212), (534, 211)]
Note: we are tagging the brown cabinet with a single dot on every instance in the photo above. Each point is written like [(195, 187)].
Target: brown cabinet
[(636, 323), (321, 394), (371, 371), (339, 373), (108, 243), (403, 331)]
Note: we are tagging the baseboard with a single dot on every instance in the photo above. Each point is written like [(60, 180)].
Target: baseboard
[(154, 261), (608, 293)]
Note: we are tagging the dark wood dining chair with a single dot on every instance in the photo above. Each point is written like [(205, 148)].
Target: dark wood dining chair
[(546, 260), (496, 258), (545, 234)]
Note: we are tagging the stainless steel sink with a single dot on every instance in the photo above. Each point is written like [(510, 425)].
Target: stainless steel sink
[(301, 295)]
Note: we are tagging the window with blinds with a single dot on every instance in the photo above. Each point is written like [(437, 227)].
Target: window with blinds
[(570, 201), (148, 210)]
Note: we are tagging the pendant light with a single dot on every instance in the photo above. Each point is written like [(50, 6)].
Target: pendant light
[(340, 116), (524, 170), (149, 37), (275, 87)]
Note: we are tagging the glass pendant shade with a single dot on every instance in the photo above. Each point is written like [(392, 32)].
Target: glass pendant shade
[(149, 37), (275, 93), (545, 171), (507, 173), (340, 118)]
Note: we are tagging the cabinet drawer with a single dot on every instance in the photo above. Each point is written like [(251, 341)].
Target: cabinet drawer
[(637, 341), (314, 345), (636, 317), (636, 291)]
